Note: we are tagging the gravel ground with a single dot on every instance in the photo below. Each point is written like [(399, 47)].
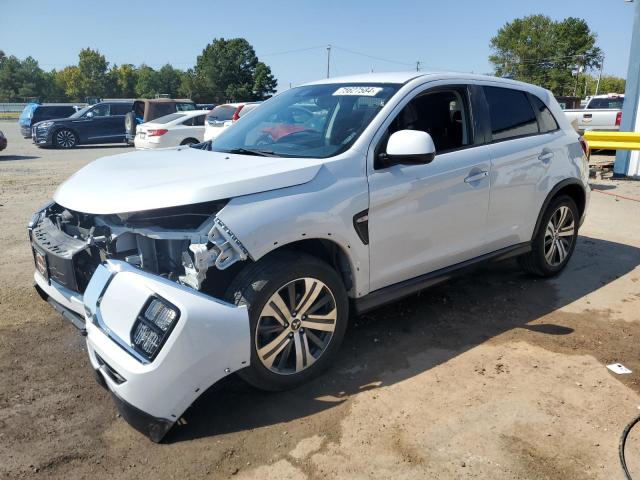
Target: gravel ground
[(493, 375)]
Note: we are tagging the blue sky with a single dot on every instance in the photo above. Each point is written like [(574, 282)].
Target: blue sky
[(442, 35)]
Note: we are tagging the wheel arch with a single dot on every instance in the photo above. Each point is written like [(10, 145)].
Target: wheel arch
[(329, 251), (571, 187), (186, 140)]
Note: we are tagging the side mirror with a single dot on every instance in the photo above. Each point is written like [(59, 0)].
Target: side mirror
[(411, 147)]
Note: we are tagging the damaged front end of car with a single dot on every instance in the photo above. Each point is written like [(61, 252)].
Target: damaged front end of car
[(133, 282)]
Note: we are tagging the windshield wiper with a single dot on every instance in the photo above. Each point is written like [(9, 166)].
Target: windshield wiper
[(250, 151)]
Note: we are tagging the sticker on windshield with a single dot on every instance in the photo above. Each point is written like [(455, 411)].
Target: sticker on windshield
[(359, 91)]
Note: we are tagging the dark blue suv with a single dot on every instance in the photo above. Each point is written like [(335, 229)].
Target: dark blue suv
[(100, 123)]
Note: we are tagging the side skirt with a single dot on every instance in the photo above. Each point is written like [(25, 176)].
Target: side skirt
[(405, 288)]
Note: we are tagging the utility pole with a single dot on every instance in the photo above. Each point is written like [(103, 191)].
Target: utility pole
[(600, 74), (328, 60), (418, 66)]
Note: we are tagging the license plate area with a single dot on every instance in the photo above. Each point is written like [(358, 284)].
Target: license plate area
[(40, 259)]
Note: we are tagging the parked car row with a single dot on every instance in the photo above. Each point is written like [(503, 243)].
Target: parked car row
[(146, 123)]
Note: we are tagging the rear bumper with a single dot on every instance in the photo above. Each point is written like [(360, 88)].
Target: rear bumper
[(25, 130), (210, 340)]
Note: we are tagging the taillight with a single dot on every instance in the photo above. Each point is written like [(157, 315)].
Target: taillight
[(236, 114), (584, 145), (156, 133), (618, 119)]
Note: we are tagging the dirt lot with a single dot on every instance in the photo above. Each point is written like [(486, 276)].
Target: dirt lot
[(495, 375)]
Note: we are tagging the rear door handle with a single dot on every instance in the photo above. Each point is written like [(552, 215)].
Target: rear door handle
[(476, 177), (587, 115), (545, 156)]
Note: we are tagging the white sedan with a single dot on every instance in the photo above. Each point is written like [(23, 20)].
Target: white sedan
[(180, 128)]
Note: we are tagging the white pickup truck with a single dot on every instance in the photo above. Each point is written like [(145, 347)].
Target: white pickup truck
[(602, 112)]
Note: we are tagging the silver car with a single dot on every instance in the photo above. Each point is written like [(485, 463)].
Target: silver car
[(249, 255)]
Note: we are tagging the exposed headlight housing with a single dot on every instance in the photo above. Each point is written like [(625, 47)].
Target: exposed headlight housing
[(45, 125), (153, 326)]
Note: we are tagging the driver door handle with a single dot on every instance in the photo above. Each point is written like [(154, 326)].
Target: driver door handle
[(476, 177), (545, 156)]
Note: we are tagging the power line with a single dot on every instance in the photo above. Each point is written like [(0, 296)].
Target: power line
[(285, 52), (353, 52)]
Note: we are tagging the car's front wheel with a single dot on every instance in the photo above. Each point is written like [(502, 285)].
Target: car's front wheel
[(65, 138), (555, 240), (298, 312)]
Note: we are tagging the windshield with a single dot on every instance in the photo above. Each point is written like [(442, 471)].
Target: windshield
[(316, 121)]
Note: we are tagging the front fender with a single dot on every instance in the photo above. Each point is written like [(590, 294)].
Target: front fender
[(320, 209)]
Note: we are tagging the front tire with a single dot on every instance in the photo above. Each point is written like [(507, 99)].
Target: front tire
[(555, 241), (298, 313), (65, 138)]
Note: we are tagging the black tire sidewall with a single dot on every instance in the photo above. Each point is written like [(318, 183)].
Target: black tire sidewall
[(538, 247), (304, 266)]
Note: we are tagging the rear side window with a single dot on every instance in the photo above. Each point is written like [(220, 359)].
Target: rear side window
[(510, 112), (198, 121), (547, 121), (120, 108), (613, 102)]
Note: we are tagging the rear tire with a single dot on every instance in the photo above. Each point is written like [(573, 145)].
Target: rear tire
[(65, 138), (190, 141), (298, 314), (130, 124), (555, 241)]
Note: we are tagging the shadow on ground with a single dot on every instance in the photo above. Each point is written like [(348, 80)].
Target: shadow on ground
[(389, 345), (7, 158)]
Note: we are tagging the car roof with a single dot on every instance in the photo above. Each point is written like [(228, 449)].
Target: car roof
[(405, 77), (191, 113)]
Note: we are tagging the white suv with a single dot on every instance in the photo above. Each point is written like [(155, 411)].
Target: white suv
[(249, 254)]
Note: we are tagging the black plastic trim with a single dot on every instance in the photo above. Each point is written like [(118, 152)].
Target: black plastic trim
[(361, 225), (153, 427), (75, 319), (413, 285)]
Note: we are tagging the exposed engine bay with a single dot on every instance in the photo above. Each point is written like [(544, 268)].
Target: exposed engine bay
[(177, 243)]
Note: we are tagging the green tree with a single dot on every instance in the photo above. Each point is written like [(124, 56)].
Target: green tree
[(169, 80), (229, 70), (121, 81), (92, 66), (10, 79), (539, 50), (148, 82), (70, 79)]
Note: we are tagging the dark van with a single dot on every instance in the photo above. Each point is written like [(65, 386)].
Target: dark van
[(34, 113)]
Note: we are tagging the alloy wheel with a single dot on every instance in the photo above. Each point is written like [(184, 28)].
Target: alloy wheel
[(559, 236), (295, 326), (65, 139)]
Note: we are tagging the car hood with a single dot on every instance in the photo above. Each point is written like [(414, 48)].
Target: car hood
[(179, 176)]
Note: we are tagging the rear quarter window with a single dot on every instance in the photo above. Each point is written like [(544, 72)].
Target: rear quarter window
[(546, 119), (510, 112)]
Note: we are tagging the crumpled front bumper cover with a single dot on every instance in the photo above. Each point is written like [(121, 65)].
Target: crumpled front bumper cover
[(210, 340)]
